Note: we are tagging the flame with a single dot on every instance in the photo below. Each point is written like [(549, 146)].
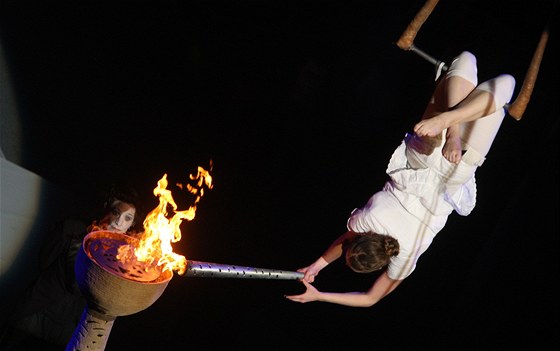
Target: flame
[(161, 229)]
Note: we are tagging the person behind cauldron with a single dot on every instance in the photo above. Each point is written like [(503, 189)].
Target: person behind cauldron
[(50, 308)]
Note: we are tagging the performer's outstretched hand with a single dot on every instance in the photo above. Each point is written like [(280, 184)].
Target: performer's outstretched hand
[(310, 294)]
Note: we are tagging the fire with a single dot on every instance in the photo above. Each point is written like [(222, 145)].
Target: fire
[(161, 229)]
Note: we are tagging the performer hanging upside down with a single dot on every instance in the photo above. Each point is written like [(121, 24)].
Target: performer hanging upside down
[(432, 174)]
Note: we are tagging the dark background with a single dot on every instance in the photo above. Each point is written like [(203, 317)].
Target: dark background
[(299, 105)]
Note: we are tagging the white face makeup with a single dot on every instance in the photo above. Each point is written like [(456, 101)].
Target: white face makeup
[(121, 216)]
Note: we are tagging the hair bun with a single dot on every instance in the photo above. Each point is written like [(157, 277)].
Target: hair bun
[(391, 246)]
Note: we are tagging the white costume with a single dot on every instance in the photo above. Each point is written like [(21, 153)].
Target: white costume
[(423, 190)]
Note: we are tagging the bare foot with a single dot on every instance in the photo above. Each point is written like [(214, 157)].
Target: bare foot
[(430, 127), (452, 149)]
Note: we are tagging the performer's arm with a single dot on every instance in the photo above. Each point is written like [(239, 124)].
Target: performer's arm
[(331, 254), (381, 288)]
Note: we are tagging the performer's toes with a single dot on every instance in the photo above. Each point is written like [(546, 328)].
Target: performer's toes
[(427, 128), (452, 151), (452, 157)]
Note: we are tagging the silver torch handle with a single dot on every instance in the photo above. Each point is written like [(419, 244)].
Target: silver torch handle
[(218, 270)]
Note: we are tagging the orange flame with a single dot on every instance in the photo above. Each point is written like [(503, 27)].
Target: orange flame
[(160, 231)]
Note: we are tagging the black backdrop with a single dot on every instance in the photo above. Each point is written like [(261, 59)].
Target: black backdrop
[(299, 105)]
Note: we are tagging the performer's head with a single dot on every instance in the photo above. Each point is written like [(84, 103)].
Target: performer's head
[(370, 252), (121, 209)]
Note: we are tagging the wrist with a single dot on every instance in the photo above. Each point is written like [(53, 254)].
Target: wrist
[(321, 262)]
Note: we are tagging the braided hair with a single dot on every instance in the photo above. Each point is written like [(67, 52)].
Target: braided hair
[(370, 252)]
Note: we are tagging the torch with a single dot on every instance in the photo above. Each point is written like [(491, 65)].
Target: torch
[(120, 275), (114, 288)]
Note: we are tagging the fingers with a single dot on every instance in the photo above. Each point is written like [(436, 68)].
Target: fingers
[(309, 273), (295, 298), (302, 297), (309, 278)]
